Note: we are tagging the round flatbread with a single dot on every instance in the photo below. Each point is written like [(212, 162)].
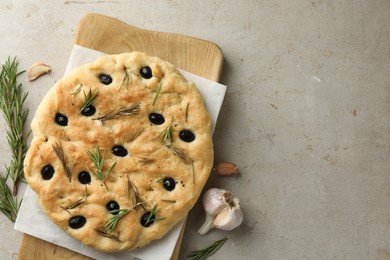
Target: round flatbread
[(121, 150)]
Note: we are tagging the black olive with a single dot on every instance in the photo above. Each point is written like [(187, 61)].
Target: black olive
[(88, 111), (61, 119), (77, 222), (112, 205), (47, 172), (156, 118), (187, 136), (105, 79), (146, 72), (146, 217), (119, 150), (84, 177), (169, 184)]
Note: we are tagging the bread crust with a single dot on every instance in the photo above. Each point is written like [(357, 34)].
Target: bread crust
[(136, 182)]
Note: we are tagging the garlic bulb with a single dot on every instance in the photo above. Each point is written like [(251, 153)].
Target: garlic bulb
[(222, 211), (214, 200)]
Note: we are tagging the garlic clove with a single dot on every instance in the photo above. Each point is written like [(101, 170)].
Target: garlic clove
[(229, 218), (207, 225), (37, 70), (226, 169)]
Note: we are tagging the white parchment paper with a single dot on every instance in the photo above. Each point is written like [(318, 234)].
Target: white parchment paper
[(31, 220)]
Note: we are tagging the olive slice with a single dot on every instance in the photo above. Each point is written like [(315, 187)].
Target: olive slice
[(105, 79), (156, 118), (77, 222), (146, 72), (88, 111), (61, 119), (147, 219), (112, 205), (119, 150), (84, 177), (187, 136), (169, 183), (47, 172)]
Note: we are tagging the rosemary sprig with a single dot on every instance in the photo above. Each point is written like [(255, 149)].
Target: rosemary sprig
[(135, 134), (99, 163), (74, 204), (126, 78), (59, 151), (9, 204), (12, 98), (166, 134), (204, 253), (105, 233), (131, 110), (89, 99), (157, 93), (145, 160), (133, 192), (180, 153), (111, 223), (153, 215)]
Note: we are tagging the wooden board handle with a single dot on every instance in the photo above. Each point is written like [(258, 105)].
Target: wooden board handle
[(109, 35)]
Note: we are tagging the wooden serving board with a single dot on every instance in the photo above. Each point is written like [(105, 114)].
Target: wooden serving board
[(112, 36)]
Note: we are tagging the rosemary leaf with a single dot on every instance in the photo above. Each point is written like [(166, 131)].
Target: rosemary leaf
[(204, 253), (145, 160), (135, 134), (169, 201), (86, 193), (12, 98), (188, 104), (89, 99), (157, 93), (193, 172), (77, 90)]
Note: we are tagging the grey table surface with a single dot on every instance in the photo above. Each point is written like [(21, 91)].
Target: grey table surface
[(306, 114)]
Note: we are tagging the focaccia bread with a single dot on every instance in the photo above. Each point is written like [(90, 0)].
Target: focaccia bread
[(121, 150)]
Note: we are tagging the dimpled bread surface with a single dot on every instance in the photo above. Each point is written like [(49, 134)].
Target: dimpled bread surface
[(124, 140)]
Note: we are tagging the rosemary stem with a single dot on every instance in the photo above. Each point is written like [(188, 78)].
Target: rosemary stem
[(15, 189), (12, 98)]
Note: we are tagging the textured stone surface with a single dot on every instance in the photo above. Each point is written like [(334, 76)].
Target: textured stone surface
[(306, 115)]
